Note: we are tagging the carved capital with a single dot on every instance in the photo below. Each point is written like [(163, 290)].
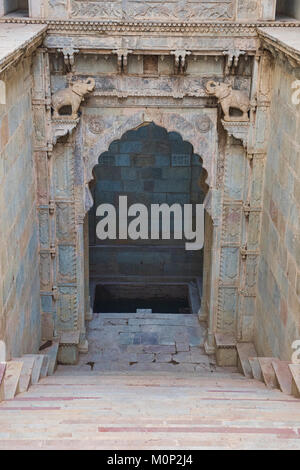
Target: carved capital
[(69, 57), (122, 55), (62, 127), (238, 130), (180, 59)]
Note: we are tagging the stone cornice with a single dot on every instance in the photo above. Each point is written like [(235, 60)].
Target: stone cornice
[(279, 48), (25, 50), (113, 27)]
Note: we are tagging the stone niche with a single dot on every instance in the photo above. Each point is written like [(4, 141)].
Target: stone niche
[(170, 10)]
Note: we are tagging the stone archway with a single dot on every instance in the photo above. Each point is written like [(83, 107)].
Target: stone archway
[(73, 160), (97, 131)]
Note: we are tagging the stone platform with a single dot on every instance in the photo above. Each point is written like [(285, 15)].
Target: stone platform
[(145, 342)]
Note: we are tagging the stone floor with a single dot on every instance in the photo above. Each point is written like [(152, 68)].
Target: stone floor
[(149, 410), (146, 342), (151, 387)]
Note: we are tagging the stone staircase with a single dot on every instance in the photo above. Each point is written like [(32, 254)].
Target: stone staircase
[(19, 374), (80, 409), (273, 372)]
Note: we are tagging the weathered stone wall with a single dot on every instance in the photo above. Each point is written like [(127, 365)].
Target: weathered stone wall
[(19, 266), (278, 304)]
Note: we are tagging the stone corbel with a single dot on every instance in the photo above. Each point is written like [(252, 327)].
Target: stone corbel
[(245, 252), (55, 293), (180, 59), (51, 207), (238, 130), (49, 151), (62, 127), (69, 57), (232, 59), (52, 250), (247, 208), (122, 55)]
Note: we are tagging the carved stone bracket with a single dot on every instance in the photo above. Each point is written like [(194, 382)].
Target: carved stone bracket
[(180, 59), (232, 59), (62, 127), (247, 208), (245, 252), (69, 57), (238, 130), (122, 59)]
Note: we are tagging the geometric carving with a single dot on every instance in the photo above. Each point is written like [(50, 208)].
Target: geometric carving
[(231, 225), (65, 222), (66, 307), (229, 264), (67, 262)]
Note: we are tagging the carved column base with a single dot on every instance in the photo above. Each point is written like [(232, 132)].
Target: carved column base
[(209, 345), (68, 353), (226, 353)]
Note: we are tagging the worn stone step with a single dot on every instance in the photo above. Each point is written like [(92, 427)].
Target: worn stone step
[(26, 374), (45, 365), (36, 371), (256, 369), (11, 379), (2, 374), (268, 371), (245, 350), (52, 352), (295, 371), (283, 376)]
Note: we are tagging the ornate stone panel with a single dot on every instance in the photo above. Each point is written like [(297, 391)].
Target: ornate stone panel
[(65, 222), (44, 228), (63, 172), (67, 308), (227, 310), (172, 10), (66, 263)]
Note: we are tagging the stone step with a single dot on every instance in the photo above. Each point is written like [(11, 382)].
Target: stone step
[(26, 374), (245, 350), (268, 371), (283, 376), (295, 371), (11, 379), (37, 367), (256, 369), (45, 365), (2, 374), (52, 352)]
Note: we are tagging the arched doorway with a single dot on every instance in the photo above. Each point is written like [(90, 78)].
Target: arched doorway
[(146, 293)]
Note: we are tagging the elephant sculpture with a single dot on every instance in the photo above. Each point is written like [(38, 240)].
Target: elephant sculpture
[(72, 96), (229, 99)]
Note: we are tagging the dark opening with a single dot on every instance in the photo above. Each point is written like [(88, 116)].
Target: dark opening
[(130, 298), (65, 111), (16, 8)]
